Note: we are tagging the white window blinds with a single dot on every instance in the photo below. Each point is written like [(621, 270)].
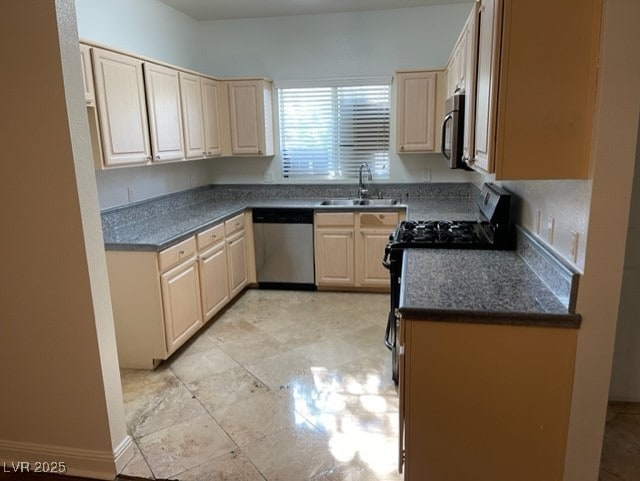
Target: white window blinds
[(328, 131)]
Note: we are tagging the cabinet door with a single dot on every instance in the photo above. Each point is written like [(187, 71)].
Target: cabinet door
[(192, 115), (416, 111), (462, 400), (165, 116), (245, 114), (87, 74), (122, 108), (469, 65), (334, 253), (237, 253), (214, 279), (181, 302), (486, 84), (372, 244), (210, 99)]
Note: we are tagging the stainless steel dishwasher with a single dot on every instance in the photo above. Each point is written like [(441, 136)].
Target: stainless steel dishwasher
[(284, 248)]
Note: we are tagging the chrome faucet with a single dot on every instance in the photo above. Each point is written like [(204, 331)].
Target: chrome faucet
[(362, 192)]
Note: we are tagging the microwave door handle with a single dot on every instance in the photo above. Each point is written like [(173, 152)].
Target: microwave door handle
[(447, 118)]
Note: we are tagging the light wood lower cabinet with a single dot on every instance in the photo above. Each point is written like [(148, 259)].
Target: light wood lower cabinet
[(214, 279), (349, 247), (237, 255), (181, 302), (334, 253), (161, 299), (496, 396)]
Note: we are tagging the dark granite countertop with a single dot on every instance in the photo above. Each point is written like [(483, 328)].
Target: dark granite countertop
[(478, 286), (164, 229)]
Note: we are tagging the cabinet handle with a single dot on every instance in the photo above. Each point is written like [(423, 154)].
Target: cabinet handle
[(181, 252), (157, 157), (149, 158)]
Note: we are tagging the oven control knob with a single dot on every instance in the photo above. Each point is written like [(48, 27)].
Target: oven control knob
[(391, 236)]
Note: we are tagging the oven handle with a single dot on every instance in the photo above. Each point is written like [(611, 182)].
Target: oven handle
[(386, 263)]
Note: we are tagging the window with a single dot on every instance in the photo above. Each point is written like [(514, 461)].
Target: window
[(327, 131)]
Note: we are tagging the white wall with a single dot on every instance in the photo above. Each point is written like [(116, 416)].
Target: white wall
[(566, 201), (145, 27), (614, 159), (153, 29), (132, 184), (356, 44), (625, 380), (61, 398)]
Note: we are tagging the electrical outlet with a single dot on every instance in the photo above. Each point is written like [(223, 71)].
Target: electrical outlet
[(426, 175), (575, 243), (193, 181), (268, 176), (550, 227), (537, 221), (130, 194)]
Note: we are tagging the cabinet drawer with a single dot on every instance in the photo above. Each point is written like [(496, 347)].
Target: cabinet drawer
[(210, 236), (378, 219), (176, 253), (234, 224), (335, 218)]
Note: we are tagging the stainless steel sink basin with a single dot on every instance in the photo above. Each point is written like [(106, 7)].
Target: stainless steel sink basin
[(347, 202), (377, 202), (339, 202)]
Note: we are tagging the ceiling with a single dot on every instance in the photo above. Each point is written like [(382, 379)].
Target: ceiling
[(229, 9)]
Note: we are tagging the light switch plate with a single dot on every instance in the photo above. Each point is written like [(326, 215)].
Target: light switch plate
[(575, 243)]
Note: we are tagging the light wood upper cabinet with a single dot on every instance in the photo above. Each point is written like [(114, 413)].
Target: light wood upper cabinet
[(165, 113), (470, 61), (535, 88), (192, 115), (416, 111), (87, 74), (211, 106), (486, 84), (497, 396), (250, 116), (200, 114), (122, 111)]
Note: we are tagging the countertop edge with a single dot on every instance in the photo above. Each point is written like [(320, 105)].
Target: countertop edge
[(533, 319)]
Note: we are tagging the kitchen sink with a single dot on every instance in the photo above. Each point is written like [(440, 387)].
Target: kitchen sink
[(377, 202), (340, 202), (346, 202)]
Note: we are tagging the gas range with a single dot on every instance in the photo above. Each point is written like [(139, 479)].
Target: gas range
[(492, 230), (443, 234)]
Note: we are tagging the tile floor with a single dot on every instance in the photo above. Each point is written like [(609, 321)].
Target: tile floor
[(620, 459), (290, 386)]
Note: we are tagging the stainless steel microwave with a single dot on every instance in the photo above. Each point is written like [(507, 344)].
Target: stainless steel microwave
[(453, 132)]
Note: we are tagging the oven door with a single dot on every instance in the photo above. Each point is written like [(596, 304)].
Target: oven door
[(392, 261)]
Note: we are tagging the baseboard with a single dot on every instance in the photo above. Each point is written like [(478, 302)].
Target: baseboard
[(86, 463)]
